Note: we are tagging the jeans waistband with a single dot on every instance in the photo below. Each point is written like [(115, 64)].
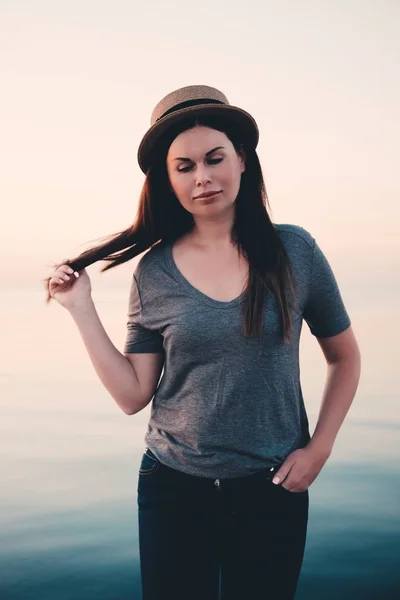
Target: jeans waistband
[(267, 472)]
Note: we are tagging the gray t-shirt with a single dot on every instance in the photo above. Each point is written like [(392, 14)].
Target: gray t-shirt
[(227, 405)]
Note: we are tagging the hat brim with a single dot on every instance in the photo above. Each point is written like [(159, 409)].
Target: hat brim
[(243, 119)]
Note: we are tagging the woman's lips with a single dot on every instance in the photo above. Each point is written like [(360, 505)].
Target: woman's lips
[(210, 197)]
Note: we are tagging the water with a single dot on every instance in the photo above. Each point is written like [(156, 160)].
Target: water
[(68, 514)]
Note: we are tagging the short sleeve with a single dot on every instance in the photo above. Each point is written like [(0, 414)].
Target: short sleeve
[(140, 338), (324, 310)]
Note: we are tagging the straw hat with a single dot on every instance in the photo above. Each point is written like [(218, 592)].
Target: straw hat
[(189, 101)]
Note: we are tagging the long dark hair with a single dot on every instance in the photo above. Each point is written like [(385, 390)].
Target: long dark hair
[(160, 218)]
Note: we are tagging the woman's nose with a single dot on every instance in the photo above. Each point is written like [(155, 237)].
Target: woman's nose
[(202, 176)]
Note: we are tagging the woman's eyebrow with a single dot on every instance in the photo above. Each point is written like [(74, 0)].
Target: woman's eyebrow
[(207, 154)]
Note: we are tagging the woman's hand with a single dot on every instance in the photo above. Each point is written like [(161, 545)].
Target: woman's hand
[(301, 468), (68, 289)]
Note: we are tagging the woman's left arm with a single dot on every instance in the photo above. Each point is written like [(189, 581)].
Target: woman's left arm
[(343, 359), (343, 374)]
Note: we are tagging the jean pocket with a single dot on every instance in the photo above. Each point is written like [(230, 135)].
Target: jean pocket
[(149, 464), (286, 491)]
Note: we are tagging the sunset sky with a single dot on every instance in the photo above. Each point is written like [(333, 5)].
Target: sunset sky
[(79, 80)]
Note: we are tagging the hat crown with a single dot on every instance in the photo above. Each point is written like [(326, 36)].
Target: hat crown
[(189, 95), (192, 101)]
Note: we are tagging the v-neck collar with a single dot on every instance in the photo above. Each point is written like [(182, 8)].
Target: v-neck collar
[(193, 290)]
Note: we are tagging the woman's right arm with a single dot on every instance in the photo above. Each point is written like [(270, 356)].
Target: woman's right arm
[(131, 381), (117, 373)]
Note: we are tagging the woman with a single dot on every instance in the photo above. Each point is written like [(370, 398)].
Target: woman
[(217, 303)]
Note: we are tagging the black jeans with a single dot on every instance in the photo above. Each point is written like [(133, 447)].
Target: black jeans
[(243, 538)]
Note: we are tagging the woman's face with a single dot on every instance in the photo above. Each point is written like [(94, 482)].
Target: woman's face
[(204, 160)]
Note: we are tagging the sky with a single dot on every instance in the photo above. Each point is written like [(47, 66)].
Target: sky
[(79, 80)]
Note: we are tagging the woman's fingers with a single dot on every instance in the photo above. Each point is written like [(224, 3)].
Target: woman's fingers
[(65, 269), (62, 274), (56, 280)]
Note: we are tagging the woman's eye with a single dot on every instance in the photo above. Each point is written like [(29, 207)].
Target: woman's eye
[(211, 161)]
